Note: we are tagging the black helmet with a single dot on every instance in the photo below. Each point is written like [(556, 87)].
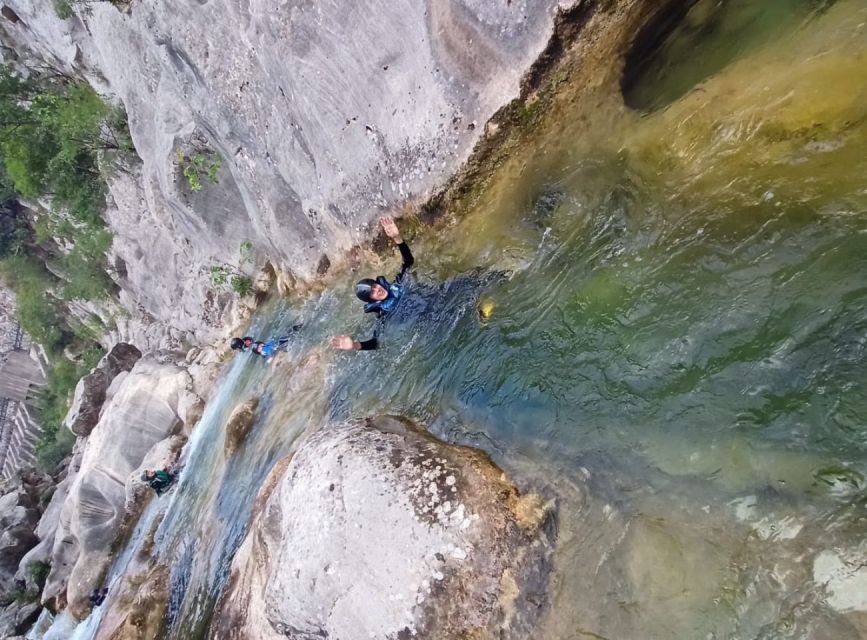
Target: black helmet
[(145, 475), (237, 343), (363, 289)]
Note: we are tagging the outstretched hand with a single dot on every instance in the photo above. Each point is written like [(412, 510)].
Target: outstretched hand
[(343, 342), (390, 229)]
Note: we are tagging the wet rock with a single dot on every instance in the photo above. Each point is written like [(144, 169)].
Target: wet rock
[(142, 410), (239, 425), (138, 611), (375, 529), (91, 389)]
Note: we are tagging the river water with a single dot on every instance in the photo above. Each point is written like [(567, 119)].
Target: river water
[(676, 352)]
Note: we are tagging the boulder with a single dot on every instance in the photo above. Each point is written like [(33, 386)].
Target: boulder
[(20, 510), (142, 410), (91, 389), (17, 618), (239, 425), (375, 529), (17, 537)]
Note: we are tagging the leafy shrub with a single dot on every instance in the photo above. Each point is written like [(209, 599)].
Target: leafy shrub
[(195, 167), (38, 571)]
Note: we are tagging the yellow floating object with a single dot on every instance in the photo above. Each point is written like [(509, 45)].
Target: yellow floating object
[(486, 309)]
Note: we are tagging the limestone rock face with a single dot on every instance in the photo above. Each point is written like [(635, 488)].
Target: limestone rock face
[(321, 114), (141, 411), (375, 529), (90, 390)]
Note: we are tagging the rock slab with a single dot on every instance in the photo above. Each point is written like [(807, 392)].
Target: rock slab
[(375, 529)]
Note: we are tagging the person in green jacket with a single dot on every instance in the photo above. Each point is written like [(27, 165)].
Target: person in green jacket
[(159, 480)]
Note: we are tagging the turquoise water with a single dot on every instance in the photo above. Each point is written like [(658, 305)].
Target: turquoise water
[(676, 351)]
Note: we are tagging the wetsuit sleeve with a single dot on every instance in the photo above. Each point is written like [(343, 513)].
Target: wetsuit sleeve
[(369, 345), (408, 260), (372, 343)]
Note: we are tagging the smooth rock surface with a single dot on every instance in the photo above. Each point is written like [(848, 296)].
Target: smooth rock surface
[(375, 529), (142, 410)]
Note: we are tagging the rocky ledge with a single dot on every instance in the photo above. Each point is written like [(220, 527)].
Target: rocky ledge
[(376, 529)]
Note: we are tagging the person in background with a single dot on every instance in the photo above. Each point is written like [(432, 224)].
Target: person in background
[(159, 480), (97, 596), (264, 348)]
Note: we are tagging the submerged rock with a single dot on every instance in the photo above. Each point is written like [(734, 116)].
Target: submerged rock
[(375, 529), (239, 425)]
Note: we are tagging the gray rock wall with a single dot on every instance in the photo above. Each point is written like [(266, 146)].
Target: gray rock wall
[(323, 113)]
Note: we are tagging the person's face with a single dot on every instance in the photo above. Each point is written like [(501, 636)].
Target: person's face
[(378, 293)]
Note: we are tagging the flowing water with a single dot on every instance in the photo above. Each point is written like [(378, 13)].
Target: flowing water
[(676, 351)]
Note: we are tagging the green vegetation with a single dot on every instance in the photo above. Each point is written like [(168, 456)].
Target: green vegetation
[(38, 571), (199, 165), (57, 139), (65, 8), (55, 134), (227, 275)]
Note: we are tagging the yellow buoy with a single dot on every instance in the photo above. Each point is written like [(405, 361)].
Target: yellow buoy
[(486, 309)]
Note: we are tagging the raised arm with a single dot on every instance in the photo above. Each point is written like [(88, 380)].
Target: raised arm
[(391, 230)]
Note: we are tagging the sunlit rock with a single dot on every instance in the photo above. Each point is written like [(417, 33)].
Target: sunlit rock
[(375, 529)]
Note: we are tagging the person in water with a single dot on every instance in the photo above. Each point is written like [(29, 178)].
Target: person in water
[(379, 296), (97, 596), (266, 349), (159, 480)]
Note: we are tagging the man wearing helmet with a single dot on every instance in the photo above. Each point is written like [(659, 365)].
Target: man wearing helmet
[(380, 296)]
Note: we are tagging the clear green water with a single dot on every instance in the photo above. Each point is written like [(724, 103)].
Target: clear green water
[(677, 353)]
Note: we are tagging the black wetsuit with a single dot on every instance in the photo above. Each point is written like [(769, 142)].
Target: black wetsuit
[(395, 290)]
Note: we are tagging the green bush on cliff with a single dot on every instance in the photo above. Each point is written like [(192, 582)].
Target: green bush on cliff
[(38, 571)]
